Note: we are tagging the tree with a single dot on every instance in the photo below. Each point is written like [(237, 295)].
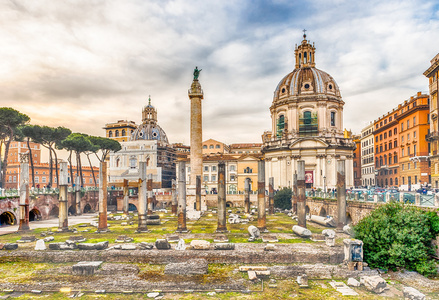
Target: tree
[(282, 199), (10, 119), (399, 236), (79, 143), (106, 145), (50, 138)]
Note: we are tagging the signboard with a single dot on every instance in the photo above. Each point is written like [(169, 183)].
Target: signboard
[(424, 174), (309, 177)]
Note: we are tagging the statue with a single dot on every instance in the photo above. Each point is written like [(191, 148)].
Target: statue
[(196, 73)]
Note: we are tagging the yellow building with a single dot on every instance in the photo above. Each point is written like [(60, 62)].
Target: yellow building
[(120, 131), (248, 170), (433, 73), (212, 146)]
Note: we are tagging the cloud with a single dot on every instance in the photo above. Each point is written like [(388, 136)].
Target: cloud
[(83, 64)]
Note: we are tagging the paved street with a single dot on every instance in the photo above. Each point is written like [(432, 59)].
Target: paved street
[(73, 220)]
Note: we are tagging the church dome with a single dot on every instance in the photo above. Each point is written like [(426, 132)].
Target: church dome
[(149, 129), (306, 79)]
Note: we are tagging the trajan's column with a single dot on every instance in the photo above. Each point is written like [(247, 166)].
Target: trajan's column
[(196, 156)]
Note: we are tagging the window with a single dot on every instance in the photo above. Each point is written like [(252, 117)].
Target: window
[(402, 167), (217, 146), (280, 125), (414, 134), (110, 134), (402, 139), (232, 178), (381, 137), (133, 162), (206, 168), (415, 165), (37, 179), (385, 135), (232, 168), (395, 144), (43, 179), (214, 168), (408, 150), (206, 178), (213, 177), (204, 146), (402, 126), (332, 118), (408, 137), (376, 139), (414, 150), (211, 147), (390, 133), (414, 121), (117, 133), (395, 160), (408, 166), (123, 132), (408, 124), (394, 130), (402, 152)]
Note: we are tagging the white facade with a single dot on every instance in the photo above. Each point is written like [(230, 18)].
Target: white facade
[(367, 156), (307, 124)]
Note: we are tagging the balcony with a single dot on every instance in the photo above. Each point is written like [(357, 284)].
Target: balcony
[(432, 136)]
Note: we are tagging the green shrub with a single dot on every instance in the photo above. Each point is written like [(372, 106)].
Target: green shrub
[(282, 199), (399, 236)]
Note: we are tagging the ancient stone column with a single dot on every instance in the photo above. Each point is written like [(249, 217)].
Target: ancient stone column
[(102, 197), (196, 156), (198, 193), (301, 197), (126, 198), (77, 202), (341, 194), (142, 196), (174, 198), (63, 204), (261, 196), (150, 199), (222, 226), (271, 195), (24, 193), (247, 196), (181, 209), (294, 197)]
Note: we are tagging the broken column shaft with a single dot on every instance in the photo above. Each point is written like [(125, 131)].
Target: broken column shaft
[(301, 197), (271, 195), (261, 196), (24, 193), (102, 197), (126, 190), (63, 204), (294, 197), (341, 194), (247, 196), (174, 198), (142, 197), (198, 193), (181, 209), (222, 226), (150, 198)]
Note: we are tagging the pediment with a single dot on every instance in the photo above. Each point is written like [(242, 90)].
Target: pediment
[(308, 143)]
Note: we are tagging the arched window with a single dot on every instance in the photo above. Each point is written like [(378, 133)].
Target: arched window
[(110, 133), (396, 180), (280, 125), (381, 160), (204, 146), (385, 159), (391, 181), (211, 147), (117, 162), (123, 132), (386, 182), (332, 118), (117, 133)]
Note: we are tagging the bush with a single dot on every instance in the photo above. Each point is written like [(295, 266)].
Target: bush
[(399, 236), (282, 199)]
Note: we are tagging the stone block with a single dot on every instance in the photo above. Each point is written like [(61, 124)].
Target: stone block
[(270, 247), (86, 267), (27, 239), (252, 268), (76, 239), (40, 245), (302, 231), (145, 246), (220, 238), (270, 238), (124, 239), (413, 294), (162, 244), (49, 239), (10, 246), (263, 273), (173, 238), (191, 267), (353, 282), (374, 284), (128, 247), (254, 231), (200, 245), (153, 222), (252, 275), (224, 246)]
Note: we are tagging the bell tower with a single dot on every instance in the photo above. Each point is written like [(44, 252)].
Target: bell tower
[(305, 54), (149, 114)]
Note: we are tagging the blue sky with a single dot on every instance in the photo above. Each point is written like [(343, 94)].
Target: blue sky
[(82, 64)]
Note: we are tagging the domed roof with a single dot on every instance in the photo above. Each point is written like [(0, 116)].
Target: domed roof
[(306, 79), (149, 129), (149, 132)]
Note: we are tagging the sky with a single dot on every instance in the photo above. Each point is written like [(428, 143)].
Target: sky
[(84, 63)]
